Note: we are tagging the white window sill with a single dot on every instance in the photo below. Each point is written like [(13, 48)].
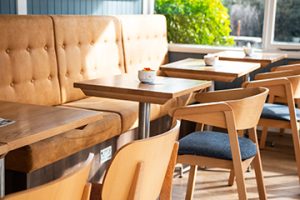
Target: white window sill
[(204, 49)]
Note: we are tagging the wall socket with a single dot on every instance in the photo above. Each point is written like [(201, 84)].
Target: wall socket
[(105, 154)]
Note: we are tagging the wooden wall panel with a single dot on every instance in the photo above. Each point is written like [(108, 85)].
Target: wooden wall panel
[(7, 6), (84, 7)]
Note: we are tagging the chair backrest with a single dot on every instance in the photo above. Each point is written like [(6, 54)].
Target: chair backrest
[(138, 169), (246, 104), (145, 41), (87, 47), (73, 186), (28, 66), (276, 90), (287, 67)]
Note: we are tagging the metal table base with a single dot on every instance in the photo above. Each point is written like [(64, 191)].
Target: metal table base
[(144, 120)]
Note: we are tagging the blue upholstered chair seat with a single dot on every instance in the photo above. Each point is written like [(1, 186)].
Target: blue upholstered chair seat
[(214, 144), (278, 111)]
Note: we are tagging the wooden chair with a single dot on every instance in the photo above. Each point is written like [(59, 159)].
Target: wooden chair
[(234, 110), (292, 67), (73, 186), (138, 170), (283, 116)]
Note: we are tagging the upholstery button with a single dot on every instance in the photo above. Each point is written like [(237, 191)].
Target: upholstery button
[(63, 46), (67, 74), (7, 50), (92, 43), (119, 64), (46, 47), (79, 43), (81, 71), (117, 40), (12, 84), (49, 77), (28, 49), (32, 80)]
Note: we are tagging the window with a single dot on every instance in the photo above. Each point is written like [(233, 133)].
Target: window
[(246, 21), (287, 21), (213, 22)]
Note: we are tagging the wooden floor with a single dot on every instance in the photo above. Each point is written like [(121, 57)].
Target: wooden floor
[(279, 174)]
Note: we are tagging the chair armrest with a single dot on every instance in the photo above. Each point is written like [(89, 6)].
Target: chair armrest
[(207, 113)]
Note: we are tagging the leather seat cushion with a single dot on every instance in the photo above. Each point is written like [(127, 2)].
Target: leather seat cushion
[(278, 112), (214, 144), (48, 151), (128, 110)]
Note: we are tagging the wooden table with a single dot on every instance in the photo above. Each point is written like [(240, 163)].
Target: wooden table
[(128, 87), (263, 58), (34, 123), (225, 71)]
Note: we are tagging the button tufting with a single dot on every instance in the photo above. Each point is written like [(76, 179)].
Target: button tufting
[(92, 43), (49, 77), (46, 47), (7, 50), (67, 74), (12, 84), (28, 49), (63, 46), (32, 80)]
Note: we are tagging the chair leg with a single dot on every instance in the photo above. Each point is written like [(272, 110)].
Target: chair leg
[(191, 182), (240, 180), (258, 167), (263, 137), (296, 142), (231, 178)]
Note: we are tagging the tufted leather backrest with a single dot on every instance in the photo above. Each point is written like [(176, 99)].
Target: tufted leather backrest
[(87, 47), (145, 41), (28, 66)]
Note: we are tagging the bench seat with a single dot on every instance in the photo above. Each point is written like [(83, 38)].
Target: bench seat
[(48, 151), (128, 110)]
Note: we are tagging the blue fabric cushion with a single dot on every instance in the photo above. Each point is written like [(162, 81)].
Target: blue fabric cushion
[(278, 111), (214, 144)]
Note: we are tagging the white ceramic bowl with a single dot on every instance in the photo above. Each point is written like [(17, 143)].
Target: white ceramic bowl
[(248, 51), (147, 76), (210, 59)]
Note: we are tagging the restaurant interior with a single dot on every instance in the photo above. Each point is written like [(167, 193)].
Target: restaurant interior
[(149, 99)]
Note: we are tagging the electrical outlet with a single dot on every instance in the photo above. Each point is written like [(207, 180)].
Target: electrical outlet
[(105, 154)]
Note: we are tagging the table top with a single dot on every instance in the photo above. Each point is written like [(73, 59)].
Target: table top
[(128, 87), (34, 123), (226, 71), (264, 58)]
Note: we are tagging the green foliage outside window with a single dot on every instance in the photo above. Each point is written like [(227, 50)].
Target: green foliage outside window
[(196, 21)]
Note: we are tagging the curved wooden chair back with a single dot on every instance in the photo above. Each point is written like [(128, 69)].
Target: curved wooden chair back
[(283, 84), (286, 67), (72, 186), (246, 105), (138, 169)]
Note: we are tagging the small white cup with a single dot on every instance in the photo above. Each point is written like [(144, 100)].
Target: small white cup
[(248, 51), (210, 59), (147, 76)]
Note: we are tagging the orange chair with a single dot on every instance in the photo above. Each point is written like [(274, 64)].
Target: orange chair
[(283, 116), (73, 186), (138, 170), (235, 110)]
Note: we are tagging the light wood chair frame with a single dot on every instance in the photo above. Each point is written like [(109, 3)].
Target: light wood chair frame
[(73, 186), (281, 89), (226, 111), (135, 190)]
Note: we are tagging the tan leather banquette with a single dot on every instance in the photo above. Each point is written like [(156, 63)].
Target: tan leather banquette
[(42, 56)]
